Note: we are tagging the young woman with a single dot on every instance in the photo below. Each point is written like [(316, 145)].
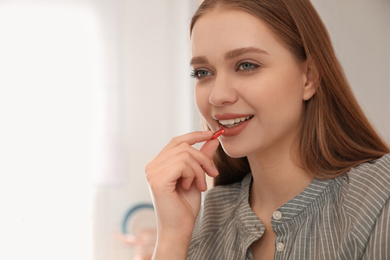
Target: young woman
[(299, 171)]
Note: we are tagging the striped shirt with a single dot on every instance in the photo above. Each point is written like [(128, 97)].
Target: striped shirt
[(347, 217)]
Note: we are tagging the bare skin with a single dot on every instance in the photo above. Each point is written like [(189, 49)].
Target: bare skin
[(176, 178)]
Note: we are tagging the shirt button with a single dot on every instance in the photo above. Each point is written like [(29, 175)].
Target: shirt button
[(277, 215), (279, 247)]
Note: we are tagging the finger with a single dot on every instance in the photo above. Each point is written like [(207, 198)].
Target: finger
[(190, 138), (193, 172), (187, 139), (187, 179), (186, 169), (195, 179), (200, 183), (209, 148), (204, 161)]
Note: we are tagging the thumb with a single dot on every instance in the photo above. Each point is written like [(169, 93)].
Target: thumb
[(210, 147)]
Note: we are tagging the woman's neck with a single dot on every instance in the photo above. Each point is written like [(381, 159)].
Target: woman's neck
[(277, 178)]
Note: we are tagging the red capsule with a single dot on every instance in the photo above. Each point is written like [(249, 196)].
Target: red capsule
[(218, 134)]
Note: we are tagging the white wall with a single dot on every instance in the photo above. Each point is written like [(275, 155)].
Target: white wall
[(45, 74)]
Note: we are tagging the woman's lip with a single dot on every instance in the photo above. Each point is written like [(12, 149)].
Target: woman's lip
[(229, 116), (233, 131)]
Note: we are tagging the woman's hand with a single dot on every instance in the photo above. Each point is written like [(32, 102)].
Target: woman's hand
[(176, 179)]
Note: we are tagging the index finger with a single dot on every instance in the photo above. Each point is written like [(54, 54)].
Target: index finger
[(190, 138)]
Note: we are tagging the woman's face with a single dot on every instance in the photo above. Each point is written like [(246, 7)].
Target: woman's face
[(247, 83)]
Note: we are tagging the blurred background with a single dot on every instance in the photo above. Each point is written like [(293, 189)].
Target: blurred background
[(92, 90)]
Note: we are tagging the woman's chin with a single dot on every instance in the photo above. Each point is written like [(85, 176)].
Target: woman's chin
[(234, 152)]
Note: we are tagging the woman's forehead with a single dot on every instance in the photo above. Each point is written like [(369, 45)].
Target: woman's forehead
[(229, 29)]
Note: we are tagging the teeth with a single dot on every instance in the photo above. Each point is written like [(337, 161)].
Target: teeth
[(233, 122)]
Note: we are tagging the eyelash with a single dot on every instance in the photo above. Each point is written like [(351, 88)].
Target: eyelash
[(253, 66), (195, 73)]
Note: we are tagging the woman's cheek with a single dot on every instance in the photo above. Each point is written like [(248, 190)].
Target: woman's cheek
[(202, 103)]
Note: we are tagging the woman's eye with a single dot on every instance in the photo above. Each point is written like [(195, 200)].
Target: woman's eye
[(200, 74), (247, 66)]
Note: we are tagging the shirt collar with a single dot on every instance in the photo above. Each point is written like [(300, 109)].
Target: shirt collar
[(251, 223), (302, 201)]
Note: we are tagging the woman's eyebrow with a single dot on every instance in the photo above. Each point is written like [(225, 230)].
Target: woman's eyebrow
[(237, 52), (198, 60), (228, 55)]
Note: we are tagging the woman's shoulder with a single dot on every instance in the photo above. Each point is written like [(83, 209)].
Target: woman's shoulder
[(366, 186), (371, 175)]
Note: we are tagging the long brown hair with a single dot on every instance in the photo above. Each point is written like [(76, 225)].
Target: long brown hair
[(336, 134)]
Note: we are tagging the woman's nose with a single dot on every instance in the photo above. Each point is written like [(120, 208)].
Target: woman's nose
[(223, 92)]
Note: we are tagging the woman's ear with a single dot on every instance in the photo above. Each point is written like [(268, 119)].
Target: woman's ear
[(312, 79)]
